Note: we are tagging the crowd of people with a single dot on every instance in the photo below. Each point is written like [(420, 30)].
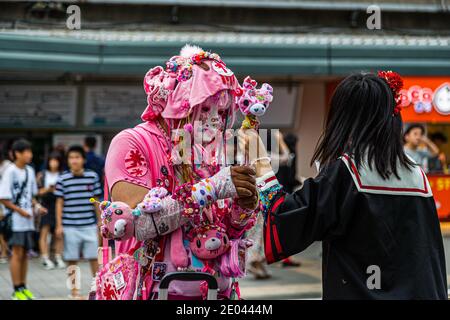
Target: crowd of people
[(48, 213)]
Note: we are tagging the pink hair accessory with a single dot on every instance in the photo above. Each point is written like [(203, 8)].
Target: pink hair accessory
[(188, 127)]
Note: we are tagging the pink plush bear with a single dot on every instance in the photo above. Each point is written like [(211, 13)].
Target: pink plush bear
[(117, 220), (254, 101), (118, 217), (209, 241)]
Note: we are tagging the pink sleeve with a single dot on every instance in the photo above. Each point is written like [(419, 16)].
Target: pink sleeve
[(126, 161)]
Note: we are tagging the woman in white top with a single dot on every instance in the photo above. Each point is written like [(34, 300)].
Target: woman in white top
[(46, 181)]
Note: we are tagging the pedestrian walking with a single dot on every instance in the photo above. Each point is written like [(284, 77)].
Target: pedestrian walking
[(47, 182), (17, 192), (76, 216)]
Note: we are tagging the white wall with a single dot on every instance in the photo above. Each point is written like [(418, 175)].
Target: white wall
[(309, 125)]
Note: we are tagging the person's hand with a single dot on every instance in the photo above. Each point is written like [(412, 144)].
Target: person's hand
[(248, 203), (41, 210), (245, 184), (255, 151), (243, 180), (59, 231), (251, 144), (24, 213)]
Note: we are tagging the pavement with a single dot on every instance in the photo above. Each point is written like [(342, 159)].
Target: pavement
[(302, 282)]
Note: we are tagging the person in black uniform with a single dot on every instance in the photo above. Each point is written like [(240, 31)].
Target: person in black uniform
[(370, 205)]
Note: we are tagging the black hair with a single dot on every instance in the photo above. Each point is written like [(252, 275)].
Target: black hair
[(77, 149), (362, 119), (90, 142), (414, 126), (20, 146), (291, 141), (57, 156)]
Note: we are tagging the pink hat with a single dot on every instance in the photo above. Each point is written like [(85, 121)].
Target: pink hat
[(158, 84), (201, 85), (189, 79)]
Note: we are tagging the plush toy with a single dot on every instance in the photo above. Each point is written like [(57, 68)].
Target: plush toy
[(152, 201), (117, 220), (253, 102), (208, 241)]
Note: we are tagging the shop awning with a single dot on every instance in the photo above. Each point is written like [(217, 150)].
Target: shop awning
[(385, 5), (132, 53)]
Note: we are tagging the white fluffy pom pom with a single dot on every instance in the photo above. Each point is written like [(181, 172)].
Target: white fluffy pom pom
[(189, 50)]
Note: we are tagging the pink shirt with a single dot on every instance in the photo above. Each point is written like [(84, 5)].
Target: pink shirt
[(128, 160)]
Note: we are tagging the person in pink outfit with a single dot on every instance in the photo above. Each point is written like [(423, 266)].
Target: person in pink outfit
[(180, 146)]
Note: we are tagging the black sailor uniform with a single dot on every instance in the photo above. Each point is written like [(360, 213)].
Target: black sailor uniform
[(381, 238)]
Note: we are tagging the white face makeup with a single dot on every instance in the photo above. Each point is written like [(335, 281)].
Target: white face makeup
[(212, 113)]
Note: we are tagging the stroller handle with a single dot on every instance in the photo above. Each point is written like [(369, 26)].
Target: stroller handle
[(163, 293)]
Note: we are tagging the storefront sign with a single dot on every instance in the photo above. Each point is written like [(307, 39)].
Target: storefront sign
[(37, 106), (114, 106), (426, 99), (440, 184)]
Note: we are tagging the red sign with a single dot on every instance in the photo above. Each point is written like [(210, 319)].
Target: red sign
[(440, 184), (426, 99)]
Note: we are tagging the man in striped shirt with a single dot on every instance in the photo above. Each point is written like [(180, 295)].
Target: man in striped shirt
[(76, 217)]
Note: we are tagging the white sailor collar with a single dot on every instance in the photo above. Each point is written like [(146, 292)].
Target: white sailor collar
[(413, 182)]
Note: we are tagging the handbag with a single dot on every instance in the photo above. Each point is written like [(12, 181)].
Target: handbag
[(116, 280)]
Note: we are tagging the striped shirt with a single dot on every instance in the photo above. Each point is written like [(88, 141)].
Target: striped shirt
[(76, 192)]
